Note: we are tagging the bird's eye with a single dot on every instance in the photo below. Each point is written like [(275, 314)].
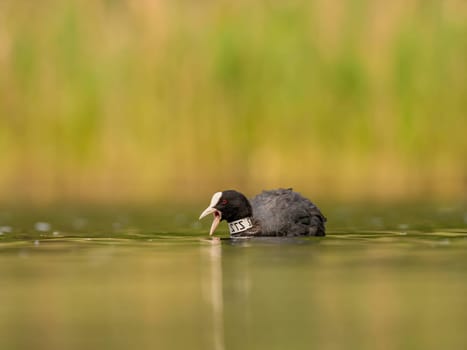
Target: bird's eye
[(224, 201)]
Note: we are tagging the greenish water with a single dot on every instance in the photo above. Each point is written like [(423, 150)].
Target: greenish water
[(383, 278)]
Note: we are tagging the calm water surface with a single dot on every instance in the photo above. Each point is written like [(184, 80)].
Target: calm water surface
[(384, 278)]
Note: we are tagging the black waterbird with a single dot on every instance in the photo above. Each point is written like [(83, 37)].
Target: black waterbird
[(280, 212)]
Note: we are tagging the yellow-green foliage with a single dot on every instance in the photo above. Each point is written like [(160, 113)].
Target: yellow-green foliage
[(140, 100)]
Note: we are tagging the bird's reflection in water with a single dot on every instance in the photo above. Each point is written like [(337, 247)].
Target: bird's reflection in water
[(213, 290), (227, 286)]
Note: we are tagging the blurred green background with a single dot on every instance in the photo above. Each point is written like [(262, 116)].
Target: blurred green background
[(134, 101)]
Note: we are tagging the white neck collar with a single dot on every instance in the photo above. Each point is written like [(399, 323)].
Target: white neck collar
[(240, 225)]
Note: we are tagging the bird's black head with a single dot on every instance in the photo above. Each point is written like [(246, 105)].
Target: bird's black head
[(227, 205), (233, 205)]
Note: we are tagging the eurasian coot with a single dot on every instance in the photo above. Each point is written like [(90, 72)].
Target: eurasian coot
[(280, 212)]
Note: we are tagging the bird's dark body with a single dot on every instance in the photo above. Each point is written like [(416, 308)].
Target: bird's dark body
[(284, 212)]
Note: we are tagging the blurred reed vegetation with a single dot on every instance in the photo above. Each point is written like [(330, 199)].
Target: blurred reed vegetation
[(155, 100)]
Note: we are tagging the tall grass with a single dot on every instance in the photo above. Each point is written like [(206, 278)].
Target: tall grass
[(156, 100)]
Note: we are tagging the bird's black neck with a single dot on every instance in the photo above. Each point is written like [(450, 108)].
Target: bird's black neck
[(237, 213)]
